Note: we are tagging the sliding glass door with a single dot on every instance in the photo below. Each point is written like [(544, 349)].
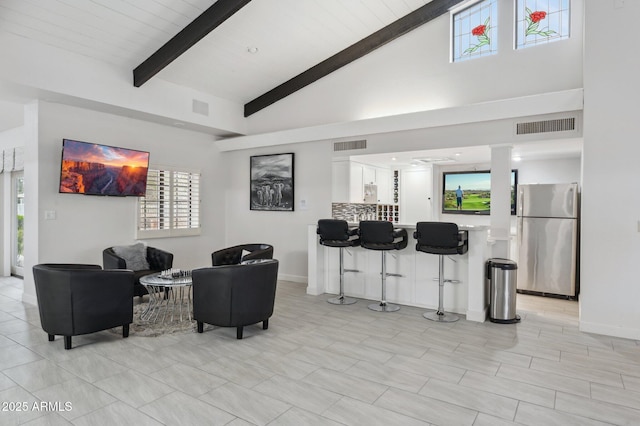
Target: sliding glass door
[(17, 223)]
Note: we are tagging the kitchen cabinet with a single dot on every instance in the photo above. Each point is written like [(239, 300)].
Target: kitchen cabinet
[(349, 178)]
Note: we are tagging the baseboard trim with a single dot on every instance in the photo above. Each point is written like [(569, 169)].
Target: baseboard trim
[(293, 278), (608, 330)]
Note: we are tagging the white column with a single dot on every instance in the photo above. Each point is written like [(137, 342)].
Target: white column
[(32, 197), (500, 219)]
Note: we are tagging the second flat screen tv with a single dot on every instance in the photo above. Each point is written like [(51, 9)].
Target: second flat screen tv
[(94, 169), (475, 190)]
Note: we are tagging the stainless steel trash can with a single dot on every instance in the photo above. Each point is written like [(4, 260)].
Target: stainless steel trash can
[(502, 278)]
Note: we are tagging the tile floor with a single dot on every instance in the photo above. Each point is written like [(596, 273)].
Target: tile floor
[(320, 364)]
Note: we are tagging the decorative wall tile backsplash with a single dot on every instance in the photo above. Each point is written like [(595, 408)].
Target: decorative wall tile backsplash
[(353, 212)]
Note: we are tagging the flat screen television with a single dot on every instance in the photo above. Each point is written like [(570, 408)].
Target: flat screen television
[(94, 169), (470, 192)]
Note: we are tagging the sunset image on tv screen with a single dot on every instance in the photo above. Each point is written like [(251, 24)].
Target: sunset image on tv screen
[(89, 168)]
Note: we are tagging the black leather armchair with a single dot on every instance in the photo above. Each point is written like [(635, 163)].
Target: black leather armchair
[(75, 299), (233, 255), (158, 260), (235, 295)]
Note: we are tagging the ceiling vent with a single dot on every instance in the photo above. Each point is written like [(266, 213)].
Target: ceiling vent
[(433, 160), (557, 125), (200, 107), (348, 145)]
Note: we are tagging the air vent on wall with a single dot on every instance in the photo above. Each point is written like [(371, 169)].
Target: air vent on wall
[(345, 146), (557, 125), (200, 107)]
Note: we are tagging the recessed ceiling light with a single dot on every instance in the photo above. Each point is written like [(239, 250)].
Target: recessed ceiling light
[(252, 49), (516, 158), (393, 158), (458, 154), (178, 124)]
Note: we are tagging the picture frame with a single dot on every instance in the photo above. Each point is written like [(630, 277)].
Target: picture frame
[(272, 182)]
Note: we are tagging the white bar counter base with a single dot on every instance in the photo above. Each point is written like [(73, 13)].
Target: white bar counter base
[(418, 285)]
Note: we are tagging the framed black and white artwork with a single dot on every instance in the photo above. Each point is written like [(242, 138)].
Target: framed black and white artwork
[(272, 182)]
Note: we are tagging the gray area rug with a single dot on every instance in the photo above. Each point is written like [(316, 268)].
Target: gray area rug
[(157, 327)]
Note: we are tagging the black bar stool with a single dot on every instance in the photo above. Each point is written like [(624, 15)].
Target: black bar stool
[(441, 238), (336, 233), (380, 235)]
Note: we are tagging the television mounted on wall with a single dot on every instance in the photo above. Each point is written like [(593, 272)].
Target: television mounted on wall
[(470, 192), (95, 169)]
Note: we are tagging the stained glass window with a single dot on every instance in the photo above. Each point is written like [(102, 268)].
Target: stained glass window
[(475, 31), (541, 21)]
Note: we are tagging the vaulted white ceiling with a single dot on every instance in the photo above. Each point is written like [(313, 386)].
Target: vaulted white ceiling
[(290, 36)]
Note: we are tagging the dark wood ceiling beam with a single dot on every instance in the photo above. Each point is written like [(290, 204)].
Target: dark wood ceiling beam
[(209, 20), (413, 20)]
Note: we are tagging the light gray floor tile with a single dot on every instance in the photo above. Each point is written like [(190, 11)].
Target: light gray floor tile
[(117, 413), (92, 367), (84, 397), (298, 394), (487, 420), (510, 388), (615, 395), (389, 345), (426, 409), (38, 374), (427, 368), (571, 370), (315, 348), (360, 351), (246, 404), (11, 356), (489, 354), (51, 419), (356, 413), (21, 411), (323, 358), (597, 410), (388, 376), (6, 382), (527, 348), (544, 379), (181, 409), (631, 383), (534, 415), (347, 385), (138, 359), (298, 417), (134, 388), (238, 371), (468, 362), (619, 366), (283, 364), (187, 379), (479, 400)]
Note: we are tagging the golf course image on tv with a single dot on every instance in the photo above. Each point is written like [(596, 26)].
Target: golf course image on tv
[(470, 192)]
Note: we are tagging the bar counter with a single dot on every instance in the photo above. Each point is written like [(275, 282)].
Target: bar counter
[(418, 284)]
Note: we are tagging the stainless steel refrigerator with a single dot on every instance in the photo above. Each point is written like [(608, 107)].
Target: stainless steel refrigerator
[(548, 239)]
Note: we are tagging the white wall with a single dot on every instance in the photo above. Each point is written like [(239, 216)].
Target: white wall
[(85, 225), (286, 231), (413, 73), (610, 294)]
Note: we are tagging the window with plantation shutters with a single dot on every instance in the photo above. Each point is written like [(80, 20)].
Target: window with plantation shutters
[(171, 205)]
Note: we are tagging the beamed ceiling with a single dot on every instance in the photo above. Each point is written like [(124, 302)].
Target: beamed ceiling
[(207, 45)]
